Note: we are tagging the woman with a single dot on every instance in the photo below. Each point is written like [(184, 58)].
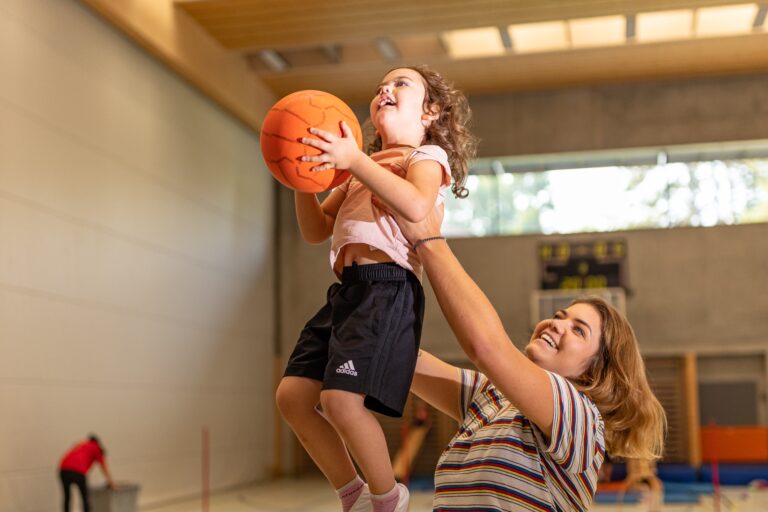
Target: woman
[(534, 426)]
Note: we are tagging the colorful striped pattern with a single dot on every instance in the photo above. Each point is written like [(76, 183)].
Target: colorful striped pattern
[(500, 461)]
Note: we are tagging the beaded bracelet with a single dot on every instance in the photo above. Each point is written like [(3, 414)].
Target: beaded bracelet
[(424, 240)]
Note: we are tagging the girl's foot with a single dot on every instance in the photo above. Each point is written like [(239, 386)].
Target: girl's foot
[(355, 496), (363, 502), (395, 500)]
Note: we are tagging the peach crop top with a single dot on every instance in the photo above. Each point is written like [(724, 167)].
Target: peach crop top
[(361, 221)]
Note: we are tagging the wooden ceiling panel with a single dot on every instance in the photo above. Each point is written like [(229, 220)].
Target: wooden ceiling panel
[(361, 52), (300, 57), (420, 46), (254, 24), (550, 70), (341, 45)]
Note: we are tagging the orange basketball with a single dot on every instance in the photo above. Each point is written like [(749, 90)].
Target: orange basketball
[(287, 122)]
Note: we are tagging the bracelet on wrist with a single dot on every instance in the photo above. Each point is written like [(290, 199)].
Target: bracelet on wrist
[(425, 240)]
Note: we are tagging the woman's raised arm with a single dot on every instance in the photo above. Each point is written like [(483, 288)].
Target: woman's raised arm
[(478, 328)]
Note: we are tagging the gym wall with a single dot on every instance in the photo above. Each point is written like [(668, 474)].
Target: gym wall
[(135, 266)]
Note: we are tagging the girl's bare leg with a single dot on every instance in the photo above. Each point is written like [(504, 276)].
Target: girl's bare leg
[(362, 433), (297, 398)]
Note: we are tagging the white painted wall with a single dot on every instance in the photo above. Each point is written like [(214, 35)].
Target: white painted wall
[(135, 266)]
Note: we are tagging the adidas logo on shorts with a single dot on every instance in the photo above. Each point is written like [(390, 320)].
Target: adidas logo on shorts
[(347, 368)]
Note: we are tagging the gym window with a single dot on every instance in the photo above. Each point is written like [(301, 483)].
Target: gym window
[(703, 185)]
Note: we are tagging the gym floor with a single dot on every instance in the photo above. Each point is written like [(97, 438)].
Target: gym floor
[(314, 495)]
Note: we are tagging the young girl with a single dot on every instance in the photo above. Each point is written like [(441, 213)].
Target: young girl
[(358, 353)]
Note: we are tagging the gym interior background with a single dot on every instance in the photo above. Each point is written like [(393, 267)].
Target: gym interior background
[(152, 277)]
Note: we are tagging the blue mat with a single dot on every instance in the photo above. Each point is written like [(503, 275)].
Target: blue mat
[(422, 483), (668, 472), (735, 474), (685, 492), (613, 497), (674, 492), (676, 473)]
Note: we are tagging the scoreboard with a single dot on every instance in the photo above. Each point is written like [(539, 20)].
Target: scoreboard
[(566, 265)]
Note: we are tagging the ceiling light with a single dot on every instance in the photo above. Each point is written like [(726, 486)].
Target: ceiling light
[(387, 49), (274, 60), (332, 52), (631, 27), (602, 31), (475, 42), (663, 25), (539, 37), (760, 16), (725, 20)]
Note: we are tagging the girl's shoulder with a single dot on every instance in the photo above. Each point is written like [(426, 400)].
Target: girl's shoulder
[(392, 155), (432, 150), (406, 152)]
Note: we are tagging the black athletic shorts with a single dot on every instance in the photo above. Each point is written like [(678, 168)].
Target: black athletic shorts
[(366, 338)]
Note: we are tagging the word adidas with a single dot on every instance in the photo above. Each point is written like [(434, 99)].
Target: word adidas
[(347, 368)]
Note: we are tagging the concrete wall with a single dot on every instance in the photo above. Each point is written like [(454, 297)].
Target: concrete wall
[(690, 288), (135, 266), (620, 116), (623, 116)]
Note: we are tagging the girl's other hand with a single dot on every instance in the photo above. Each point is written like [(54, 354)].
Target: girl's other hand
[(427, 228), (337, 152)]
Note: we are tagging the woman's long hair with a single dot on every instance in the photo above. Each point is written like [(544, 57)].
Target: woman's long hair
[(450, 130), (616, 380)]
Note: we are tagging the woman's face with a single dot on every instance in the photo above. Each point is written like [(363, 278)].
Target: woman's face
[(566, 343)]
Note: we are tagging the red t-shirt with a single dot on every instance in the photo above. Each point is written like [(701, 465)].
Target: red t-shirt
[(82, 456)]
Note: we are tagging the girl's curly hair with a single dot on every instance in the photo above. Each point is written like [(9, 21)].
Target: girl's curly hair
[(450, 130)]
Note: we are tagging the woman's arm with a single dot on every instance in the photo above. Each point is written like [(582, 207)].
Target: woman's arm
[(437, 383), (478, 328), (316, 220)]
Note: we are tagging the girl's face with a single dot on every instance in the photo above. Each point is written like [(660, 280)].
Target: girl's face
[(566, 343), (397, 109)]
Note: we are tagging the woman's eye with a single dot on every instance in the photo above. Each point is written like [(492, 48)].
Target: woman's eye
[(579, 331)]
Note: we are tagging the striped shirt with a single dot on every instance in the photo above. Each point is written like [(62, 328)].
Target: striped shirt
[(500, 461)]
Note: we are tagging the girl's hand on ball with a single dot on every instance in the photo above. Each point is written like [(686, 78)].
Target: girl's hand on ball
[(337, 152)]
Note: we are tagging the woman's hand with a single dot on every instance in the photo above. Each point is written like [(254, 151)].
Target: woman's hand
[(337, 152), (427, 228)]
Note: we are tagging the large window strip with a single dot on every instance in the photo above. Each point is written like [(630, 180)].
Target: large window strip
[(684, 186)]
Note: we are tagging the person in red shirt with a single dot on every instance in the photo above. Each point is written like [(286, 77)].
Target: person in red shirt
[(76, 463)]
